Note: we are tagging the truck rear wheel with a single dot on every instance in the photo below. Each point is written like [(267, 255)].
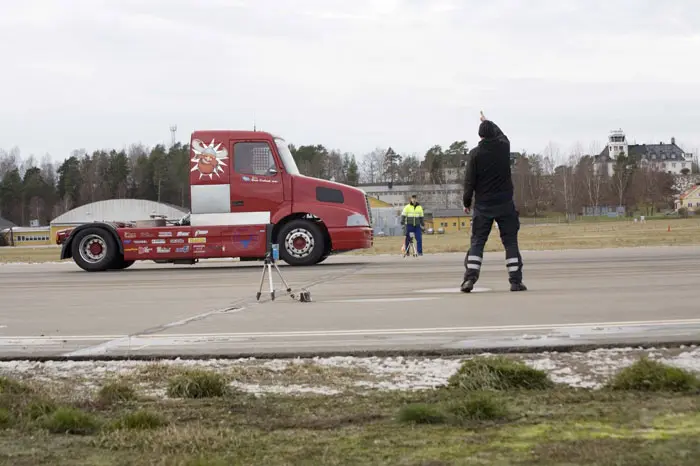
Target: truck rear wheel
[(121, 264), (301, 242), (94, 249)]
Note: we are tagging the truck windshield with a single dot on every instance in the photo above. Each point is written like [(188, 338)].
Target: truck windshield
[(287, 159)]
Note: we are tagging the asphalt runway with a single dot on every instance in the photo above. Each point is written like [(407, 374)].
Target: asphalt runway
[(360, 303)]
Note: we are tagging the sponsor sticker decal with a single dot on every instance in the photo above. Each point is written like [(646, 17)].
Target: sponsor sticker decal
[(145, 250), (197, 240), (129, 235), (158, 241), (131, 249), (140, 241), (201, 232), (183, 249), (177, 241), (165, 234), (162, 250), (183, 233)]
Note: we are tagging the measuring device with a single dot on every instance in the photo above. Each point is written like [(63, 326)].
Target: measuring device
[(272, 255)]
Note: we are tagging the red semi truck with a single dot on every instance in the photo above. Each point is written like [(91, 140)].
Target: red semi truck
[(240, 181)]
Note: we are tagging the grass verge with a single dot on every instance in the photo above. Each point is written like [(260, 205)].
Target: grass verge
[(577, 235), (493, 411), (581, 235)]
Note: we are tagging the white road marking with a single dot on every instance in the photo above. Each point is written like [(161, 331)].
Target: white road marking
[(476, 289), (379, 300), (103, 348), (152, 340)]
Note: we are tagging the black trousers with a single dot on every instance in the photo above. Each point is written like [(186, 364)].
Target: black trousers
[(508, 220)]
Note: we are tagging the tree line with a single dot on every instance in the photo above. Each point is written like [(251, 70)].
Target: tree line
[(40, 190)]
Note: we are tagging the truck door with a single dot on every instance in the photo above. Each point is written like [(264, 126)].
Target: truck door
[(256, 180)]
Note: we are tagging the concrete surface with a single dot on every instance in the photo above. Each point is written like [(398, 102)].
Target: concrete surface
[(361, 303)]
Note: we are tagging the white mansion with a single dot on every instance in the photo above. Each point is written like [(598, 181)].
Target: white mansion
[(664, 157)]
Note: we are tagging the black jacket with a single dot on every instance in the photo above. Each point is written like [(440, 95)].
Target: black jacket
[(487, 176)]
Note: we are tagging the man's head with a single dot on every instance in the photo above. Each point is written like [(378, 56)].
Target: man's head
[(414, 199), (487, 130)]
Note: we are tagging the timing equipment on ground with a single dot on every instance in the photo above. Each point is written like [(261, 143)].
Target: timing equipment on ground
[(271, 258), (411, 249)]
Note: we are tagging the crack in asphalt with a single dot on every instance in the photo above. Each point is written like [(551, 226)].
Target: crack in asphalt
[(235, 307)]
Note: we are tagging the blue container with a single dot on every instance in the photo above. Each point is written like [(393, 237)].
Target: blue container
[(275, 252)]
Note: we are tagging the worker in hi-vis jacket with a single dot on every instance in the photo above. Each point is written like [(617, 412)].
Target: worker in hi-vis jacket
[(412, 221)]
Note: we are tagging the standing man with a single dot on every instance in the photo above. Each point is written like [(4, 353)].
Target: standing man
[(412, 220), (488, 179)]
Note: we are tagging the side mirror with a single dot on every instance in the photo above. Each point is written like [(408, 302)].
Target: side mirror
[(272, 171)]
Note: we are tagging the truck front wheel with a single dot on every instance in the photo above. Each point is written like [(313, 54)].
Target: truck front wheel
[(94, 249), (301, 242)]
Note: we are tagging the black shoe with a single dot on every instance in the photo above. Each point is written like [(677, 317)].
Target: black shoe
[(517, 287), (467, 286)]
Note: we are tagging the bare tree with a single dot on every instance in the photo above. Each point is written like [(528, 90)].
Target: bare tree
[(622, 174), (371, 166)]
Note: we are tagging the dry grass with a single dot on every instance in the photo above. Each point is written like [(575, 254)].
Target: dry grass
[(563, 236), (295, 372), (578, 235), (512, 422), (29, 254)]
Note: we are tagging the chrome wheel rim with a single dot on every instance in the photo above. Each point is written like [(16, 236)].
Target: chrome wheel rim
[(299, 243), (93, 248)]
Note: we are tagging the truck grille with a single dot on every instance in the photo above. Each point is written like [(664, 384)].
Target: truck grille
[(369, 209)]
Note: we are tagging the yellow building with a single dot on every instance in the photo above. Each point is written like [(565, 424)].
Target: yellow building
[(448, 221), (689, 199), (375, 203), (26, 236)]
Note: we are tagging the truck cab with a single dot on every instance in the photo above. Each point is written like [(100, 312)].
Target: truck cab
[(250, 177), (240, 180)]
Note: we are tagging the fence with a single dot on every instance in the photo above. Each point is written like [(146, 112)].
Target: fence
[(387, 221)]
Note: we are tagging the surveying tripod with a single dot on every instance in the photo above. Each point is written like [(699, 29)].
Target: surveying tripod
[(271, 258), (411, 249)]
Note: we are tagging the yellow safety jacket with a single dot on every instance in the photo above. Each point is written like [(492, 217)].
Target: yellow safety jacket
[(412, 215)]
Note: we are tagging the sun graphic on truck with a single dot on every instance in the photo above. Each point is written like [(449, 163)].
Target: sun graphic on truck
[(208, 160)]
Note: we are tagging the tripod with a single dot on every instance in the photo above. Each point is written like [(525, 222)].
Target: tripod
[(271, 261), (411, 249)]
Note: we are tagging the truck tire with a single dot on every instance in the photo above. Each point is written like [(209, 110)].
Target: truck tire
[(301, 242), (95, 249), (121, 264)]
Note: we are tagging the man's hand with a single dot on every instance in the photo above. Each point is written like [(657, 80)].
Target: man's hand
[(467, 210), (481, 116)]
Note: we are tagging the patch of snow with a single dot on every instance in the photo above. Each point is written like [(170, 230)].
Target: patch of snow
[(578, 369), (292, 389)]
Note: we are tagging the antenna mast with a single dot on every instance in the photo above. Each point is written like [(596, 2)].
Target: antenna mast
[(173, 130)]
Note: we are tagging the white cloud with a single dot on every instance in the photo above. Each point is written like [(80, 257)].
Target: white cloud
[(351, 75)]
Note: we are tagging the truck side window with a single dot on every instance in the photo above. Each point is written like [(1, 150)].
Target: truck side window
[(253, 158)]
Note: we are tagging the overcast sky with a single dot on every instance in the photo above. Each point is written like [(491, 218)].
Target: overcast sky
[(349, 74)]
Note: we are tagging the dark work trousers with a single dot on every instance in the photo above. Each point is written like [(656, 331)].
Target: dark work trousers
[(416, 230), (508, 224)]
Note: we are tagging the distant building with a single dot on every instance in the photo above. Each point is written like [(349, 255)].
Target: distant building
[(690, 199), (115, 210), (663, 157), (4, 223), (431, 196), (448, 220)]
